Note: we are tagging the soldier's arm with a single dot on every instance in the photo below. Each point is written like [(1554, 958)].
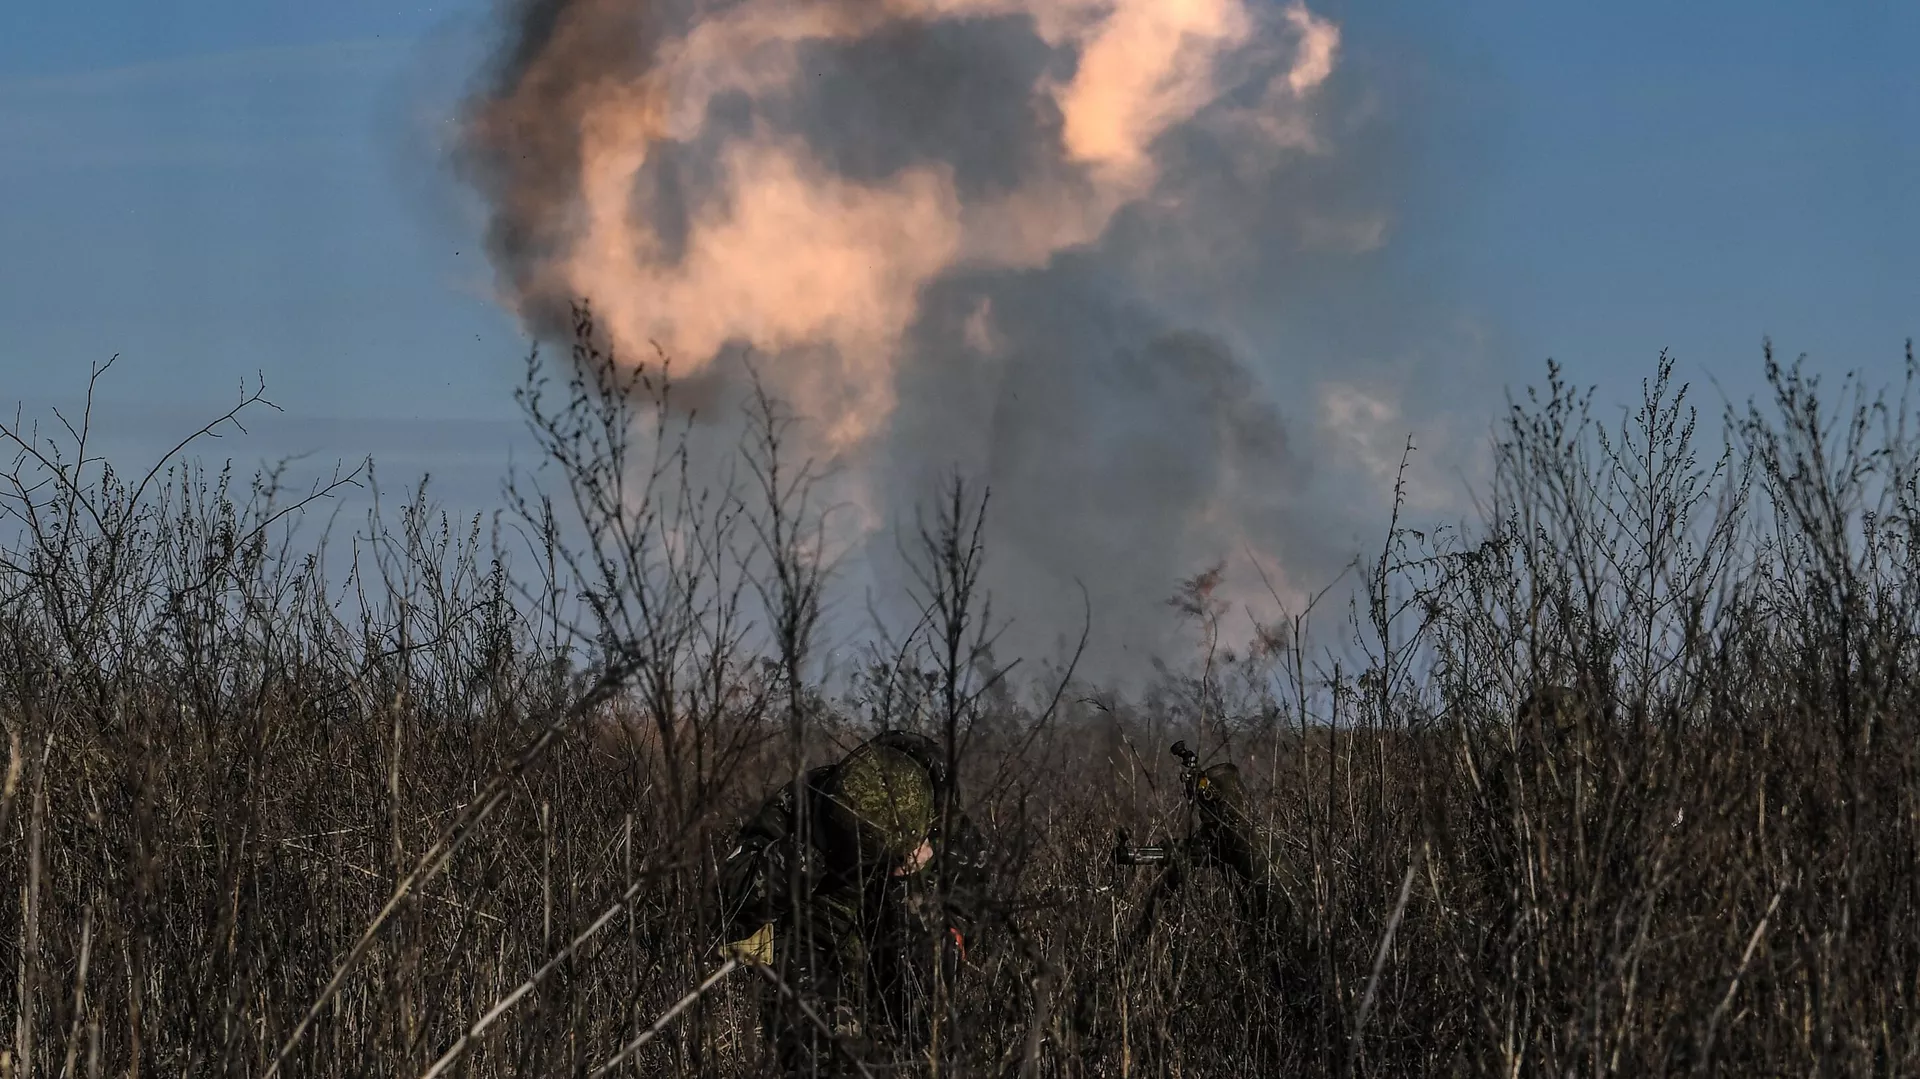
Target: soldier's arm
[(755, 880), (965, 878)]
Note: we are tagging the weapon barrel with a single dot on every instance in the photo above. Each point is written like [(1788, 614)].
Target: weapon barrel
[(1126, 854)]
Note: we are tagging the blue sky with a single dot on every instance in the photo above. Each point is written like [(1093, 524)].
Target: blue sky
[(219, 188)]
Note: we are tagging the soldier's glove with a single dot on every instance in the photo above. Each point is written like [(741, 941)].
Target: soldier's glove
[(757, 948), (1228, 831)]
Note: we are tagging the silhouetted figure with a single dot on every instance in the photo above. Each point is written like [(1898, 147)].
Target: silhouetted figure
[(837, 887), (1541, 801)]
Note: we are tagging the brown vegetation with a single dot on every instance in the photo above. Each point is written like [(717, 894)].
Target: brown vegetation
[(267, 813)]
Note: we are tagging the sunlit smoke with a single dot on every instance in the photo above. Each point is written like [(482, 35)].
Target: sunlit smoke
[(781, 252), (927, 222)]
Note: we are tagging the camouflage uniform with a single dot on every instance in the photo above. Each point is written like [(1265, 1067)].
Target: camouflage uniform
[(810, 891), (1535, 776), (1229, 836)]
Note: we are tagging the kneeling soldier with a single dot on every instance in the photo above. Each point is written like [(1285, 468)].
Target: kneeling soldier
[(847, 888)]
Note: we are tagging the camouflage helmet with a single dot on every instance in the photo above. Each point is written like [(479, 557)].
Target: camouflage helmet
[(880, 800), (1558, 719), (1552, 714)]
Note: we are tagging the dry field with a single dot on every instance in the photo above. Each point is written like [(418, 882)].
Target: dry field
[(272, 814)]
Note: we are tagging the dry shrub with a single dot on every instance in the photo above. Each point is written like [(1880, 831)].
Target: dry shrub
[(227, 752)]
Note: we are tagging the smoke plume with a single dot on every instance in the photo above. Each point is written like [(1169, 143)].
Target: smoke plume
[(1020, 239)]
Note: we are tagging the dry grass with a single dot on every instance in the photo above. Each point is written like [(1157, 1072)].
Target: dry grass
[(227, 757)]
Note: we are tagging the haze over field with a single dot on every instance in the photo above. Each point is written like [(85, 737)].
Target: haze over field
[(1612, 774), (1019, 241), (1177, 280)]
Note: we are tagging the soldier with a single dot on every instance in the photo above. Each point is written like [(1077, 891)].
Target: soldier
[(847, 888), (1230, 835), (1227, 835), (1539, 802), (1551, 723)]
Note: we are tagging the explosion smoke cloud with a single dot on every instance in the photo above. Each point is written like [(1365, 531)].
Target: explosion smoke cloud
[(933, 221)]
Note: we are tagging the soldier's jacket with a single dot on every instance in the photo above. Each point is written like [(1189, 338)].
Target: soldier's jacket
[(850, 937), (1229, 832), (758, 877)]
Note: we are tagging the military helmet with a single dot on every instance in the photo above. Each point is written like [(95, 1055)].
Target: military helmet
[(1555, 717), (1548, 712), (880, 800)]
